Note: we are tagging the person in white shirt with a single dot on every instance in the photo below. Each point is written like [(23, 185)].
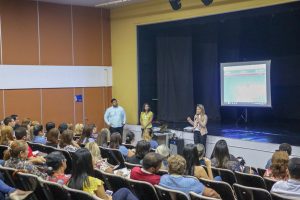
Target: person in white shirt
[(291, 187), (115, 117)]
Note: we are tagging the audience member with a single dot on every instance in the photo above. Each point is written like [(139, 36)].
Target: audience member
[(116, 143), (221, 158), (7, 135), (201, 153), (15, 117), (164, 151), (16, 157), (130, 136), (86, 135), (142, 148), (52, 137), (291, 187), (193, 168), (66, 141), (283, 147), (70, 126), (78, 129), (103, 138), (49, 126), (279, 166), (39, 134), (148, 136), (150, 166), (62, 127), (176, 181), (8, 121), (57, 164)]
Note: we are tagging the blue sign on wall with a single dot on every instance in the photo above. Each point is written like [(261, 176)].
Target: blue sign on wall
[(78, 98)]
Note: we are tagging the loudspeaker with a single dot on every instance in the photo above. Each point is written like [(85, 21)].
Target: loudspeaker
[(207, 2), (176, 146), (175, 4)]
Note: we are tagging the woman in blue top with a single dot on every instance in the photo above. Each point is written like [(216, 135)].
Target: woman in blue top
[(116, 143), (176, 181), (148, 136)]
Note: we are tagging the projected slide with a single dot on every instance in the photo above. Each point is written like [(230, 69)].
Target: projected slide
[(245, 84)]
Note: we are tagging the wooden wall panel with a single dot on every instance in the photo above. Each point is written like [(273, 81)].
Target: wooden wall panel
[(87, 36), (94, 106), (56, 34), (78, 107), (19, 32), (1, 105), (106, 37), (25, 103), (57, 105)]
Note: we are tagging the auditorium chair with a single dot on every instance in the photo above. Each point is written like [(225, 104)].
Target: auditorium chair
[(49, 149), (168, 194), (9, 176), (251, 193), (69, 160), (80, 195), (98, 174), (221, 187), (276, 196), (162, 172), (250, 180), (195, 196), (269, 183), (114, 156), (130, 165), (30, 182), (114, 182), (3, 148), (261, 171), (226, 175), (129, 146), (36, 146), (57, 191), (142, 190)]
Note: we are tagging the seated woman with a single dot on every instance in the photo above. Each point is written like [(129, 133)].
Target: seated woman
[(86, 135), (176, 181), (148, 136), (164, 151), (142, 148), (6, 135), (221, 158), (78, 129), (98, 161), (57, 164), (82, 178), (130, 136), (116, 143), (278, 169), (193, 168), (16, 157), (103, 138), (66, 141), (52, 137)]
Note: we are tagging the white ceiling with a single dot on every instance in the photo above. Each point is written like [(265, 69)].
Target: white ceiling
[(95, 3)]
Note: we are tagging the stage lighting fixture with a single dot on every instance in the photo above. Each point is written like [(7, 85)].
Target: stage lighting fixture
[(207, 2), (175, 4)]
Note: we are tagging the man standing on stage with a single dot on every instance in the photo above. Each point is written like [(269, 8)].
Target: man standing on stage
[(115, 117)]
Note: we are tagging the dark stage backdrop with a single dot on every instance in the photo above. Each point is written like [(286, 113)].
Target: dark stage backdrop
[(261, 34), (174, 78)]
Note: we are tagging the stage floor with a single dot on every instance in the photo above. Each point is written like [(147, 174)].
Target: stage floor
[(261, 133)]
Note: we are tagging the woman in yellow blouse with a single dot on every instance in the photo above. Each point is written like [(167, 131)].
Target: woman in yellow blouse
[(146, 117)]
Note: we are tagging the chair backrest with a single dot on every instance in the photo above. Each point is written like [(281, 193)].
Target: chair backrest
[(250, 180), (114, 182), (143, 190), (49, 149), (130, 165), (98, 174), (168, 194), (2, 149), (8, 174), (57, 191), (129, 146), (261, 171), (162, 172), (36, 146), (80, 195), (114, 156), (30, 182), (221, 187), (250, 193), (269, 183), (195, 196), (68, 158), (226, 175), (282, 197)]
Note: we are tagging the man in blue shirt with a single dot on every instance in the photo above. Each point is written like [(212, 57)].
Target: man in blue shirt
[(115, 118)]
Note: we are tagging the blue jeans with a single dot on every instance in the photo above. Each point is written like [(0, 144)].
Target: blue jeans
[(4, 189), (124, 194)]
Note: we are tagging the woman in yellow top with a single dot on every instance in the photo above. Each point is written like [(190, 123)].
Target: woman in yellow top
[(146, 117), (199, 125)]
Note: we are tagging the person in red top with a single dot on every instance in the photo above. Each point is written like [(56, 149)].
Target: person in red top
[(151, 165), (57, 164)]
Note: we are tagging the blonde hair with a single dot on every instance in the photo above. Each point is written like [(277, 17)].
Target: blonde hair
[(147, 135), (202, 108), (94, 150), (163, 150), (280, 160), (176, 164), (78, 129), (6, 135)]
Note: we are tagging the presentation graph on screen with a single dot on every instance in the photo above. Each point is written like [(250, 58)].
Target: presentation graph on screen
[(246, 84)]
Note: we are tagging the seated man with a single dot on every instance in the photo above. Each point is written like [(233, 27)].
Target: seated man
[(283, 147), (290, 187), (176, 181), (39, 134), (151, 165)]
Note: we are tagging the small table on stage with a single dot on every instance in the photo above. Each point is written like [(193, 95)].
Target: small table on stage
[(163, 137)]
